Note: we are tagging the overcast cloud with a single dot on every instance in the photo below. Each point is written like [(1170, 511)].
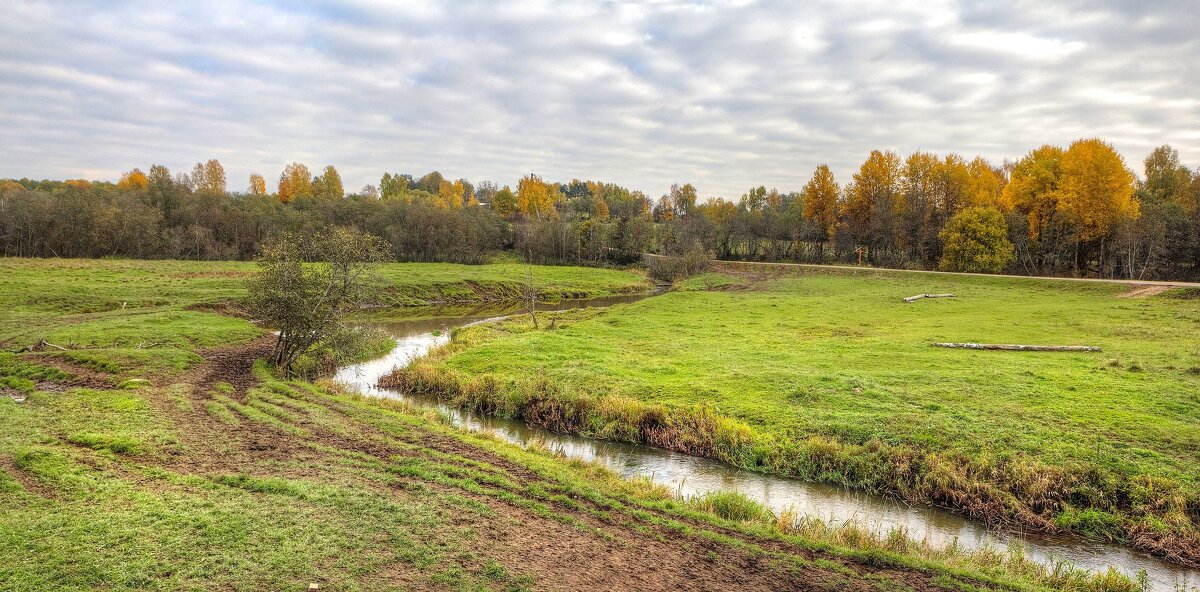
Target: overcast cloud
[(723, 94)]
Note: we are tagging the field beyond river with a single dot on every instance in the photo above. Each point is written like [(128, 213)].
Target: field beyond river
[(830, 376), (146, 445)]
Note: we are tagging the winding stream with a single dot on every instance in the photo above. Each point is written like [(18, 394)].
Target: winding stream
[(690, 475)]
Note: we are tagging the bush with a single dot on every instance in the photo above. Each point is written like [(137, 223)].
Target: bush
[(670, 269), (976, 240)]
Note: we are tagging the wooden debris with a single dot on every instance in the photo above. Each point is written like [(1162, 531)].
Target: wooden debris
[(920, 296), (42, 344), (1018, 347)]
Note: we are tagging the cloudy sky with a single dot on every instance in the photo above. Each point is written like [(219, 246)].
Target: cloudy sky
[(721, 94)]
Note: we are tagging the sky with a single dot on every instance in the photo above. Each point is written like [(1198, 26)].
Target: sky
[(724, 95)]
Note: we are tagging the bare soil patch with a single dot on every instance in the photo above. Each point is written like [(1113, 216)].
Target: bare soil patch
[(1144, 291)]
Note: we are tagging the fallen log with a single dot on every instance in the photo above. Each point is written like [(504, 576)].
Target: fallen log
[(920, 296), (1018, 347), (42, 344)]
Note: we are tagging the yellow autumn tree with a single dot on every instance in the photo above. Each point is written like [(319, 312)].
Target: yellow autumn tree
[(820, 201), (951, 186), (134, 180), (1033, 187), (258, 185), (986, 184), (536, 198), (875, 189), (601, 210), (449, 195), (295, 181), (1097, 189), (214, 177)]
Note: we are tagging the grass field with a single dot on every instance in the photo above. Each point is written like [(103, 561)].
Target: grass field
[(158, 453), (165, 307), (830, 376)]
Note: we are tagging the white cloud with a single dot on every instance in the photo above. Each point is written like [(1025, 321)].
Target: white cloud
[(723, 94)]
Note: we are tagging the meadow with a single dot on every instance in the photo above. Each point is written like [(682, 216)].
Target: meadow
[(159, 452), (829, 375)]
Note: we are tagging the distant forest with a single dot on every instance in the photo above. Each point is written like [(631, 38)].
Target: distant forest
[(1077, 211)]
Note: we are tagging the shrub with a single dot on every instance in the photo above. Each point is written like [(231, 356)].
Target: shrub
[(976, 240)]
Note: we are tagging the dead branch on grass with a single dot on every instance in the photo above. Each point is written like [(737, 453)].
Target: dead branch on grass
[(920, 296), (1019, 347)]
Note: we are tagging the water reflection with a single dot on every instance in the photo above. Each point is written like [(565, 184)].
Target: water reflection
[(691, 475)]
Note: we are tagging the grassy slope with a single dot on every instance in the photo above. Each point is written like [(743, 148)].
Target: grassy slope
[(36, 293), (841, 356), (219, 477)]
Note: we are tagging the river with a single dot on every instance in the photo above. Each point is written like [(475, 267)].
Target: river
[(690, 475)]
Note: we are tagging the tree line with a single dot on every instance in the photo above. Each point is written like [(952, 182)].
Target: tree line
[(1078, 210)]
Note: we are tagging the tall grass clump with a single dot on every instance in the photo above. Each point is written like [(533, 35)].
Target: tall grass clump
[(731, 505)]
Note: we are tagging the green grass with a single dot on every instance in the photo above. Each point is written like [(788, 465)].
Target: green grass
[(36, 293), (445, 283), (167, 482), (840, 358)]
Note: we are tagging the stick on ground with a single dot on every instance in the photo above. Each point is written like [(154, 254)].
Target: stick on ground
[(920, 296), (1018, 347)]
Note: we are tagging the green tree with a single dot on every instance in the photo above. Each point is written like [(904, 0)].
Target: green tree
[(505, 203), (392, 186), (1166, 179), (162, 191), (307, 286), (976, 240), (328, 185)]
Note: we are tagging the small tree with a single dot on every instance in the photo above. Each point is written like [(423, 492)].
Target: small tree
[(529, 295), (308, 285), (976, 240)]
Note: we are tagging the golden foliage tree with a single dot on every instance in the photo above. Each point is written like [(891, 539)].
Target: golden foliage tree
[(208, 177), (258, 185), (951, 187), (601, 210), (986, 184), (449, 195), (536, 198), (875, 189), (134, 180), (295, 181), (1096, 190), (214, 177), (1032, 187), (820, 201)]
